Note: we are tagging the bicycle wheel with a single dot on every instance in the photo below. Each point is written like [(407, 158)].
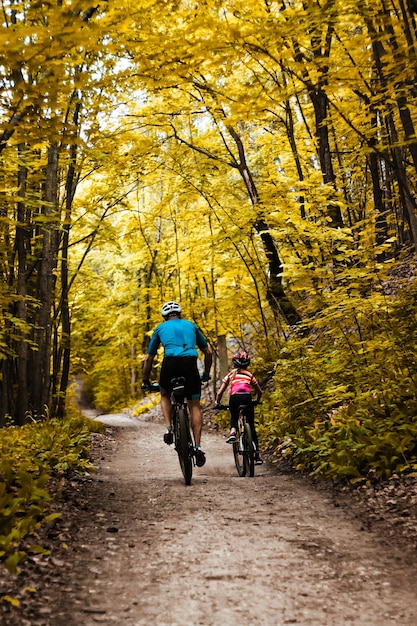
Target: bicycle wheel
[(238, 454), (184, 445), (248, 451)]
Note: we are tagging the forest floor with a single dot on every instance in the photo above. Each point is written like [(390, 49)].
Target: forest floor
[(135, 546)]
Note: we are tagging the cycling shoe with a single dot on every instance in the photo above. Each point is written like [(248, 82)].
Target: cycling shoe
[(200, 457), (169, 438)]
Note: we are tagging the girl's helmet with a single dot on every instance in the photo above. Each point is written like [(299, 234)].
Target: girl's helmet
[(241, 359), (170, 308)]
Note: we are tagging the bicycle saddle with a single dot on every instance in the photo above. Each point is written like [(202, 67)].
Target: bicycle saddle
[(178, 385)]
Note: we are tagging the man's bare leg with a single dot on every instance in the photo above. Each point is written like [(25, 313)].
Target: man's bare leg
[(196, 419), (166, 408)]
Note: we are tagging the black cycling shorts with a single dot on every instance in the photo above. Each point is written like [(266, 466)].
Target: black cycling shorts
[(235, 400), (173, 366)]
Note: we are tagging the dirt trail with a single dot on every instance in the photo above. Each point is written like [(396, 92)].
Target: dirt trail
[(265, 551)]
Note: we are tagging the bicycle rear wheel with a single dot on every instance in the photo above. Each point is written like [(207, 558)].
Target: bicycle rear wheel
[(248, 451), (184, 446), (238, 454)]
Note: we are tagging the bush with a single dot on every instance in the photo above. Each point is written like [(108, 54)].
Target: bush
[(30, 456), (345, 397)]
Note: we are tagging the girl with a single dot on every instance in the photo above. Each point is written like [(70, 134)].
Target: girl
[(240, 380)]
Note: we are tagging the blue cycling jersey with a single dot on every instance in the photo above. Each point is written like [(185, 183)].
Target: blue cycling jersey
[(178, 337)]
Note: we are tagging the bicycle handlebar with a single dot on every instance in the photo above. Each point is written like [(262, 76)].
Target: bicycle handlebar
[(151, 387), (154, 387)]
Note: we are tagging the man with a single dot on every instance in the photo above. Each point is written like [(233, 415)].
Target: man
[(180, 339)]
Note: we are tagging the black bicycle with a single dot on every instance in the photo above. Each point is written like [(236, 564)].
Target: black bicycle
[(183, 439), (182, 433), (243, 447)]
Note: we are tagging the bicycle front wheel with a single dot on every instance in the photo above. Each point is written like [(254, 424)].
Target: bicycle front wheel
[(248, 451), (184, 446)]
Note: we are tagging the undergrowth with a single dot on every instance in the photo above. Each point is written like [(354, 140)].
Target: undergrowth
[(32, 460), (344, 403)]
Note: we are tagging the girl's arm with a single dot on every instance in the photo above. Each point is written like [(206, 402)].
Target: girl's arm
[(258, 391)]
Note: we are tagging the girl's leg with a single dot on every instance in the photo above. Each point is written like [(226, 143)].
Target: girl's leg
[(234, 411), (250, 416)]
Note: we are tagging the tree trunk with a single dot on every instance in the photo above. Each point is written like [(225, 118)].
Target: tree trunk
[(397, 165), (381, 225), (62, 364), (320, 103), (222, 352), (289, 125), (42, 361), (22, 361), (277, 298)]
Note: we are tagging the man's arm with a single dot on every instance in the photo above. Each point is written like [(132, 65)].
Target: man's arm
[(208, 359), (147, 366), (152, 350), (206, 350)]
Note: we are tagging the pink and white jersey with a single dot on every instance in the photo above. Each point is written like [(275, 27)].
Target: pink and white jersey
[(240, 381)]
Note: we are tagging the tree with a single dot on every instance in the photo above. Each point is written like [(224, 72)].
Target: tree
[(275, 139), (52, 64)]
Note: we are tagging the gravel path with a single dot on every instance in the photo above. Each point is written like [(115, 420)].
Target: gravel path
[(137, 547)]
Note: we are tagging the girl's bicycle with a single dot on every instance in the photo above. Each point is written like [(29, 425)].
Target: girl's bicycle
[(183, 439), (243, 447)]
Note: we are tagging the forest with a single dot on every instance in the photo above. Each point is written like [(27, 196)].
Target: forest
[(255, 160)]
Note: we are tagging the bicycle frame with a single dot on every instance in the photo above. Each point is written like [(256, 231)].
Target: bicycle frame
[(243, 447), (183, 439)]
